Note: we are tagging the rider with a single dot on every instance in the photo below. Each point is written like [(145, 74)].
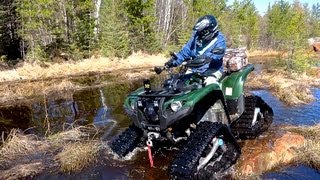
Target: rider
[(206, 43)]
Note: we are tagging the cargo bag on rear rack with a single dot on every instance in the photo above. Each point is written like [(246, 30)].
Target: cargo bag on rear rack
[(235, 59)]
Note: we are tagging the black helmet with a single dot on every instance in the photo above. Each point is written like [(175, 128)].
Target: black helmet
[(206, 27)]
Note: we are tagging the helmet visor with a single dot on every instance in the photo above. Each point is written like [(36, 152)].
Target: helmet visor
[(204, 32)]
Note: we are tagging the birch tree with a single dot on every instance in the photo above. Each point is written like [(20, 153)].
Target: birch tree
[(97, 16)]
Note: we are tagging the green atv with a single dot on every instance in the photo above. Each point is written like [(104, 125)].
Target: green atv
[(206, 118)]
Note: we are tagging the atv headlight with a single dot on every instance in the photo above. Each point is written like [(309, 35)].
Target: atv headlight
[(176, 105)]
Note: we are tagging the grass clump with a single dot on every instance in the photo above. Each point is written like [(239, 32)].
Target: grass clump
[(290, 88), (72, 150), (77, 156), (72, 135), (310, 153), (18, 145)]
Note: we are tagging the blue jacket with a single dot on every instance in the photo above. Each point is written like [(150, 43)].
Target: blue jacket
[(214, 50)]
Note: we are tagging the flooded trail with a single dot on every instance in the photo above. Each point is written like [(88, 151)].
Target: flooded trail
[(102, 107), (305, 114)]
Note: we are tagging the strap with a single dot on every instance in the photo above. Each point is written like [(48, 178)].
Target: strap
[(208, 46)]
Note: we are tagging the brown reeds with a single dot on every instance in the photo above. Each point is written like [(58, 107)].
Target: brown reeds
[(18, 145), (71, 150), (16, 91), (289, 88), (36, 71), (310, 153), (76, 156)]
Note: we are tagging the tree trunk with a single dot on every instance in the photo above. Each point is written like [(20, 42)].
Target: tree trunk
[(97, 16)]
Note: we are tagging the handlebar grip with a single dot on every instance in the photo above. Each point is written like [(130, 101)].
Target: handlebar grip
[(159, 70)]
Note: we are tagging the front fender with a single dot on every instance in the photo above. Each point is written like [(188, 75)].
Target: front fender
[(194, 97)]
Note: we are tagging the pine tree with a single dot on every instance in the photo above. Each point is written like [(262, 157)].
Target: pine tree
[(286, 24), (83, 24), (314, 21), (141, 25), (114, 38), (240, 23), (52, 26), (9, 39)]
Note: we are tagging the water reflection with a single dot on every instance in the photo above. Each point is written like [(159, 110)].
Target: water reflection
[(99, 106), (15, 117)]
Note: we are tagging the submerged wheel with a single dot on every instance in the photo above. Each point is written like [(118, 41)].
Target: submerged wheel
[(127, 141), (256, 118), (194, 161)]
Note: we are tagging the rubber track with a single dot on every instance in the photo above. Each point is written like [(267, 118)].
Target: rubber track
[(185, 164), (227, 160), (127, 141), (243, 128)]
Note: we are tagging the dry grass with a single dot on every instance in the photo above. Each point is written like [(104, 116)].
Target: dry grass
[(10, 92), (35, 71), (63, 85), (18, 145), (292, 89), (75, 134), (77, 156), (310, 152), (261, 53), (71, 150), (36, 80)]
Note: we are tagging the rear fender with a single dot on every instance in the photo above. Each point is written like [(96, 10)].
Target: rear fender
[(233, 85)]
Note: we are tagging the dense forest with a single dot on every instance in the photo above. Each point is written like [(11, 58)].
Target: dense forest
[(74, 29)]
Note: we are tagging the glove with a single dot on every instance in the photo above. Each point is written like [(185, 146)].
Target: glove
[(158, 70), (170, 64)]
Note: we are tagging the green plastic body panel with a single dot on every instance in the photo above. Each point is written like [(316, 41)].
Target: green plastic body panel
[(233, 85), (190, 99), (133, 96)]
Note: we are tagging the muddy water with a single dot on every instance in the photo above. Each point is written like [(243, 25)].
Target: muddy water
[(103, 108)]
